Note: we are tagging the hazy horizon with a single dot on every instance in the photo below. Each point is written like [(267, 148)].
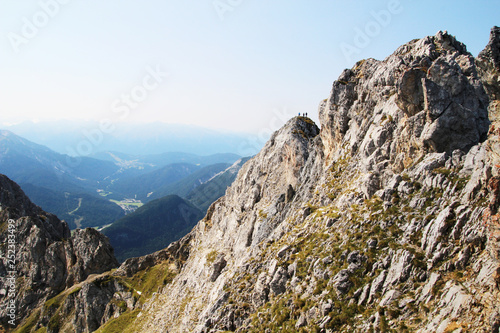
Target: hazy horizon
[(237, 66), (86, 138)]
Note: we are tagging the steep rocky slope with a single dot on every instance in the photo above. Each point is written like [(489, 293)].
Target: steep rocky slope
[(385, 219), (208, 192), (379, 221), (40, 256)]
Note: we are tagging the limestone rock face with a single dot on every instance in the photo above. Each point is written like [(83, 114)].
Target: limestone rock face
[(426, 96), (386, 218), (93, 252), (382, 207), (47, 258)]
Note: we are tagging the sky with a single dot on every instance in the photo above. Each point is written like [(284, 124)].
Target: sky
[(234, 65)]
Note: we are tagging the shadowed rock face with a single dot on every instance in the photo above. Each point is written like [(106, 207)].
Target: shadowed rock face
[(48, 259), (488, 63), (433, 81), (491, 52)]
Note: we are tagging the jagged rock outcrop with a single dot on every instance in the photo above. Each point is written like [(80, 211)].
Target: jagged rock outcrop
[(97, 302), (40, 257), (488, 62), (385, 219), (426, 97)]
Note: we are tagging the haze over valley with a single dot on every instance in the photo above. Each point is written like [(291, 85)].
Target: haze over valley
[(101, 190)]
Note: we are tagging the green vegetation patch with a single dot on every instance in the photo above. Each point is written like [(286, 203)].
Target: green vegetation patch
[(122, 324), (211, 257), (148, 281), (30, 323)]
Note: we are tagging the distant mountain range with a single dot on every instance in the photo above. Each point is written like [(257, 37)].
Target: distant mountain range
[(184, 186), (65, 136), (205, 194), (176, 178), (27, 162), (164, 220), (127, 160), (80, 210), (89, 191), (152, 227), (60, 187)]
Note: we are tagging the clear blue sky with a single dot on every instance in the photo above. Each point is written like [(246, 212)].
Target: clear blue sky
[(232, 69)]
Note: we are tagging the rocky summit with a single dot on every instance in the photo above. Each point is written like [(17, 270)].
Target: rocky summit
[(383, 219)]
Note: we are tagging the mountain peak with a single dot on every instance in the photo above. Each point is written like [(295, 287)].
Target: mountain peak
[(431, 47), (299, 126), (492, 51), (488, 63), (426, 96), (12, 197)]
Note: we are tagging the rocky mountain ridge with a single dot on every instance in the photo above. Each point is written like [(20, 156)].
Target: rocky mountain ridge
[(384, 220), (40, 254), (376, 222)]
